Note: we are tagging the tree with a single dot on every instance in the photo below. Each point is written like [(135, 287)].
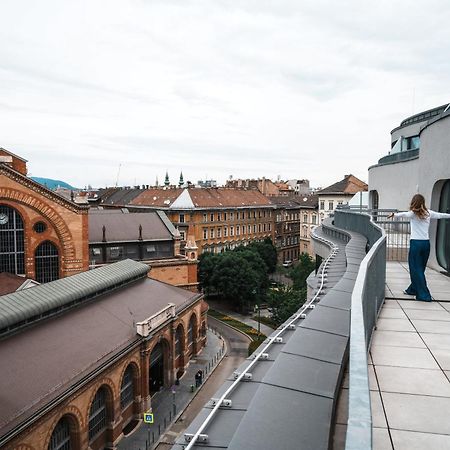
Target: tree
[(285, 301), (206, 266), (300, 272), (267, 251)]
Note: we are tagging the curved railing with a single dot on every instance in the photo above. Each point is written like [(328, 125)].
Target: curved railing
[(367, 299)]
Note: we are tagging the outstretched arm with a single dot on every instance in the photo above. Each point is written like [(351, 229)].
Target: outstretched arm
[(439, 215)]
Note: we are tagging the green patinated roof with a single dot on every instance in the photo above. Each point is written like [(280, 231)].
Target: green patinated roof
[(24, 305)]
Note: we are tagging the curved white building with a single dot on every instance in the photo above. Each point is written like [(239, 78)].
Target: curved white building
[(419, 161)]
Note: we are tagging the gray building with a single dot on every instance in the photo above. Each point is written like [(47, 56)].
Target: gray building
[(418, 162)]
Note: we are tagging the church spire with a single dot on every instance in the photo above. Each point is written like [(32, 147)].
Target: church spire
[(166, 181), (181, 182)]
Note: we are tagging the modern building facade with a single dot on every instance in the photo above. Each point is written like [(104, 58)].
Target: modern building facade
[(83, 356), (43, 235), (419, 161)]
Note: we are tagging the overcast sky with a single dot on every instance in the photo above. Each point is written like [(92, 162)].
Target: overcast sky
[(249, 88)]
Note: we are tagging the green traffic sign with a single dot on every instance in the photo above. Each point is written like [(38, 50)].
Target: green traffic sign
[(148, 417)]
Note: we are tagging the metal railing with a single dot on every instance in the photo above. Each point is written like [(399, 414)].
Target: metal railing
[(366, 302), (192, 439)]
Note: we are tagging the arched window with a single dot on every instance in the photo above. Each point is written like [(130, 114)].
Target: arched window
[(60, 439), (126, 388), (179, 341), (97, 413), (47, 262), (12, 254)]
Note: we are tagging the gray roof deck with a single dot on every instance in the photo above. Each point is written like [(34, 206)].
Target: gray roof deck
[(289, 402), (74, 344)]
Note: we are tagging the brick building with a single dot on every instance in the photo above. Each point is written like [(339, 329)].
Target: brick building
[(44, 236), (84, 355)]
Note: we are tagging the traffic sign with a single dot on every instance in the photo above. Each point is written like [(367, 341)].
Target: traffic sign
[(148, 417)]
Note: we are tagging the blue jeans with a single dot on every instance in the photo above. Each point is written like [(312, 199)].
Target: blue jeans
[(419, 251)]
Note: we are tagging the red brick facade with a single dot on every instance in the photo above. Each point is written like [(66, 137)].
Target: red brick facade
[(77, 406), (66, 223)]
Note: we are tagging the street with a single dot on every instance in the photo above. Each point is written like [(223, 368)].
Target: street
[(237, 350)]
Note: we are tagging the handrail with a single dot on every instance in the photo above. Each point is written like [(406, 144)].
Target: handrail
[(366, 302), (193, 439)]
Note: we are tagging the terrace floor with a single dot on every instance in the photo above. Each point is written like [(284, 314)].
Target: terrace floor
[(409, 366)]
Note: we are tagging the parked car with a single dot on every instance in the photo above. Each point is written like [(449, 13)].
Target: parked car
[(287, 263)]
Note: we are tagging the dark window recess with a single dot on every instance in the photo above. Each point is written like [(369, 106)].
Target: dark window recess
[(443, 230), (60, 439), (39, 227), (126, 389), (47, 262), (97, 414), (12, 255)]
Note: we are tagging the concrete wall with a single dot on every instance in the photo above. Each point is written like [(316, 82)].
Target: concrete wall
[(395, 183)]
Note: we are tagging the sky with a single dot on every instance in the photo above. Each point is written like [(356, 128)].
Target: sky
[(95, 92)]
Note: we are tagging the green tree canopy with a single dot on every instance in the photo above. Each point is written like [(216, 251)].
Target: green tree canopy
[(285, 301)]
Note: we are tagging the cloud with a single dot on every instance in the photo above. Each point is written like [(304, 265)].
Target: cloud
[(305, 89)]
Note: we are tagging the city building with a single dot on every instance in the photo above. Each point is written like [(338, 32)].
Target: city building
[(263, 185), (301, 187), (309, 219), (287, 228), (211, 220), (338, 194), (149, 237), (44, 235), (418, 162), (83, 356)]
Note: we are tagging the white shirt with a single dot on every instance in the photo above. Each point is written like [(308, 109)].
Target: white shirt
[(419, 227)]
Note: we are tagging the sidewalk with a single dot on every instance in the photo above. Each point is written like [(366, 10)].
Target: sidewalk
[(166, 406), (219, 306)]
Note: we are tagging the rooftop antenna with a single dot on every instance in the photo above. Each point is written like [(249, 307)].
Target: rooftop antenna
[(117, 178)]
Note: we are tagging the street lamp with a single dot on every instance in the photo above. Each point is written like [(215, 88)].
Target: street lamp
[(174, 405), (259, 319)]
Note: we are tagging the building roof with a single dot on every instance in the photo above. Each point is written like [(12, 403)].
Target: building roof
[(10, 282), (158, 197), (20, 308), (201, 198), (118, 196), (41, 189), (12, 154), (348, 185), (297, 202), (64, 349), (122, 227)]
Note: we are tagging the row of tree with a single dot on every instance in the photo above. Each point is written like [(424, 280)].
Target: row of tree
[(241, 276)]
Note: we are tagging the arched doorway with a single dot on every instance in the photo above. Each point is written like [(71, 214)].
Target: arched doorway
[(46, 262), (443, 230), (129, 390), (100, 414), (65, 435), (192, 335), (157, 368), (179, 350), (12, 238)]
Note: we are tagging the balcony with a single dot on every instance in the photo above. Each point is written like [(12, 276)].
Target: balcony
[(359, 366)]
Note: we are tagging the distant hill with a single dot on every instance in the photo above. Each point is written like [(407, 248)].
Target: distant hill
[(52, 184)]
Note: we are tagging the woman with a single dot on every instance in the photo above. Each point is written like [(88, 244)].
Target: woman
[(419, 246)]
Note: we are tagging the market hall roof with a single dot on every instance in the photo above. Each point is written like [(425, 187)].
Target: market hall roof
[(121, 226), (201, 198), (59, 352), (349, 185)]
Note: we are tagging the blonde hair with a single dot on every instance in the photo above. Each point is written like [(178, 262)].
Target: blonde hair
[(418, 207)]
